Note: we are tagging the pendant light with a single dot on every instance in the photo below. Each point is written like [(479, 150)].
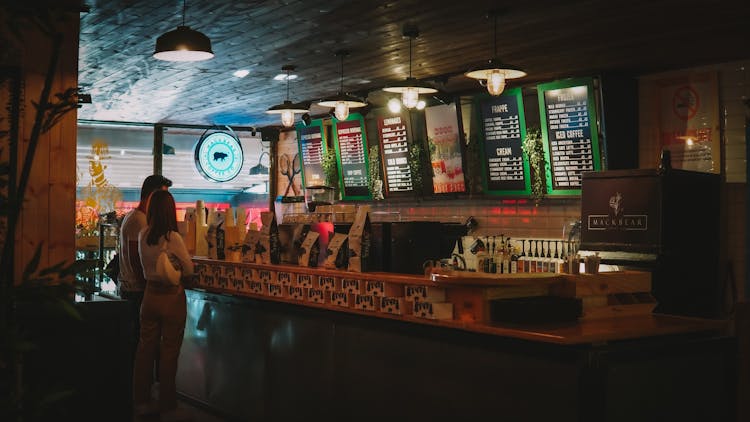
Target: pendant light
[(494, 73), (183, 44), (287, 108), (342, 102), (410, 88)]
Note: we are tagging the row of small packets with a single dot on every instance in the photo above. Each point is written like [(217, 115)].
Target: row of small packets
[(421, 301)]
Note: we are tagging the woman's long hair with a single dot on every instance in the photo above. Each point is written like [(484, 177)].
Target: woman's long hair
[(161, 216)]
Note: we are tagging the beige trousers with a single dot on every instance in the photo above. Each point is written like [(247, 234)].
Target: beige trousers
[(163, 314)]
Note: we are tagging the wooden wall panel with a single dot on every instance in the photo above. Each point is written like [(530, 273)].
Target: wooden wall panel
[(48, 212)]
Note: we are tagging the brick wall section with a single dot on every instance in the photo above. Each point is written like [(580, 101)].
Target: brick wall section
[(517, 218)]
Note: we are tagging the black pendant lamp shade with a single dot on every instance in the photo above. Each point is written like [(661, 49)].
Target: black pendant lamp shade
[(493, 73), (183, 44), (342, 102), (287, 109), (411, 87)]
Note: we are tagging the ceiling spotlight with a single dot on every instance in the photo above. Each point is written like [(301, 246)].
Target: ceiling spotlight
[(342, 102), (183, 44), (394, 105), (410, 88), (494, 73), (287, 108)]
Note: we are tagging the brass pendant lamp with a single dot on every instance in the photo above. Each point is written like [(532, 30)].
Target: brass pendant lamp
[(493, 74), (411, 87), (342, 102), (287, 109)]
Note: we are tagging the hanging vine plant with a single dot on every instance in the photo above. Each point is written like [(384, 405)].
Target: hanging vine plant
[(374, 179), (415, 165), (533, 147), (329, 168)]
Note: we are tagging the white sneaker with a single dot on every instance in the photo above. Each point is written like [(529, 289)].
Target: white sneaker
[(176, 415)]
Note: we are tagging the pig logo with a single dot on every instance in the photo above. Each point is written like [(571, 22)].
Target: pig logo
[(220, 156)]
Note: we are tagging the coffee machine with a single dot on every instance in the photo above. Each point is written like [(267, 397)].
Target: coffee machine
[(662, 221)]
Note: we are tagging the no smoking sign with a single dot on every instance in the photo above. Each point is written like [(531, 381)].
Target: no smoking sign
[(685, 102)]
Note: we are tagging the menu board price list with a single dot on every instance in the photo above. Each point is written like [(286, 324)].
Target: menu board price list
[(395, 154), (353, 156), (311, 146), (503, 151), (569, 136)]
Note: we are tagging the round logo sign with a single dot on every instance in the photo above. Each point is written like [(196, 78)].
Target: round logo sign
[(218, 157)]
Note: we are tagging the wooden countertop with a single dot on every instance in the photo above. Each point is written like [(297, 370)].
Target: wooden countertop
[(576, 333)]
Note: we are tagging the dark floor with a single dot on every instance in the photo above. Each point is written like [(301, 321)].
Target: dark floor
[(191, 411)]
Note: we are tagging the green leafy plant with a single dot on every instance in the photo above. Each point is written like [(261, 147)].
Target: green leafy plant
[(374, 172), (533, 147), (416, 158), (329, 168)]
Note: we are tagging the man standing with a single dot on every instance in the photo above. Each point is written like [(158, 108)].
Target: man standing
[(131, 281)]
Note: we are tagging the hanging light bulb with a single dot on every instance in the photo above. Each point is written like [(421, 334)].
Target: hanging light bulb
[(496, 82), (410, 97), (421, 104), (394, 105), (287, 108), (493, 74), (342, 102), (410, 88), (183, 44), (287, 118), (341, 110)]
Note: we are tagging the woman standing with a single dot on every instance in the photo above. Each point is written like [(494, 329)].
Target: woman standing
[(163, 311)]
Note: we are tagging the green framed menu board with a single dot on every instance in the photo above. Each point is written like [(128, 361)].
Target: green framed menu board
[(567, 110), (394, 147), (503, 126), (350, 142), (312, 148)]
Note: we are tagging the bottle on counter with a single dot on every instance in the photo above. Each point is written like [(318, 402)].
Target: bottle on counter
[(201, 229), (514, 261), (482, 260)]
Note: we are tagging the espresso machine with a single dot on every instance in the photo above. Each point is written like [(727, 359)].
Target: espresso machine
[(663, 221)]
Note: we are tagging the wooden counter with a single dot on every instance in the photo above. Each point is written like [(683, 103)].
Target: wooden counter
[(467, 297)]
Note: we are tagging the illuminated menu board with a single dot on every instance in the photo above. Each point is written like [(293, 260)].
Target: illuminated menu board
[(394, 146), (571, 141), (506, 169), (312, 148), (351, 154)]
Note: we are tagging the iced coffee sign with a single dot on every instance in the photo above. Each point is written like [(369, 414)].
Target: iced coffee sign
[(443, 136), (571, 140)]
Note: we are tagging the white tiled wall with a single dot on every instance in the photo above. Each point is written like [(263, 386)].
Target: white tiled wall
[(734, 89)]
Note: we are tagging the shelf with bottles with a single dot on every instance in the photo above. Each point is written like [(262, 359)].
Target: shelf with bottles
[(499, 254)]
